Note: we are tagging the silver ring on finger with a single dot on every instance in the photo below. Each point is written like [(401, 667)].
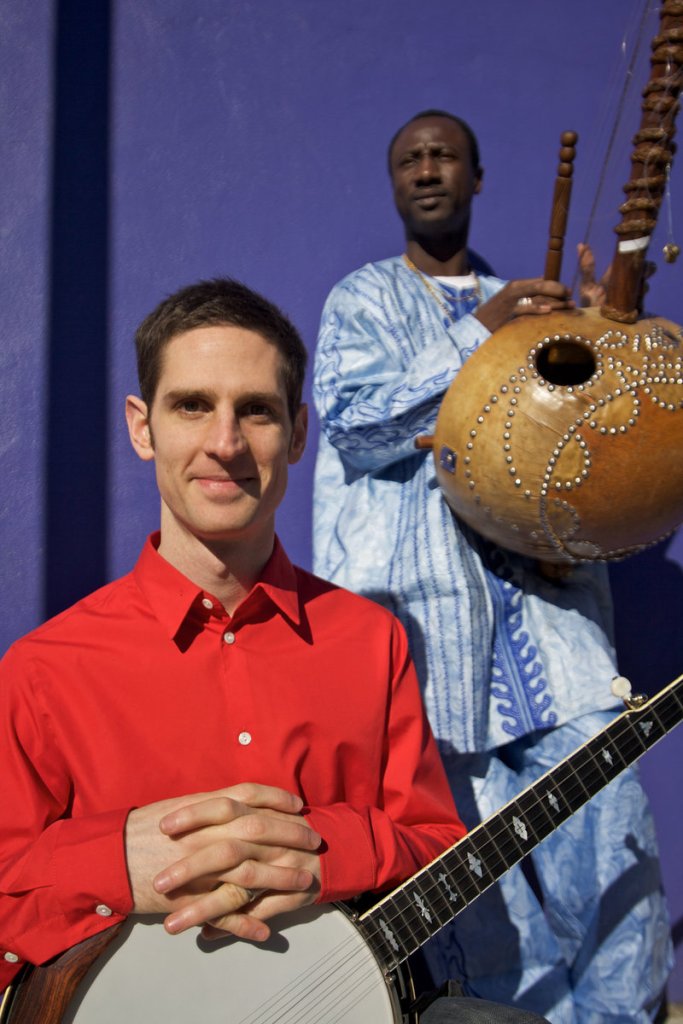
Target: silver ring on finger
[(525, 301)]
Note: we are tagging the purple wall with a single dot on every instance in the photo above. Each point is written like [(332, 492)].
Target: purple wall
[(26, 107), (173, 141)]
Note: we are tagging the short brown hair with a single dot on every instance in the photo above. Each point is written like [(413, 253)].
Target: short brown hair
[(221, 301)]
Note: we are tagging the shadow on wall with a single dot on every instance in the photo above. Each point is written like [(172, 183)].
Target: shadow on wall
[(648, 606), (76, 444)]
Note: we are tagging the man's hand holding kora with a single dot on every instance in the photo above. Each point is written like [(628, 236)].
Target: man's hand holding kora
[(226, 860), (532, 296)]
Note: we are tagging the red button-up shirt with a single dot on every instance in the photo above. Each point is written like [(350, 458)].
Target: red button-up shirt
[(147, 689)]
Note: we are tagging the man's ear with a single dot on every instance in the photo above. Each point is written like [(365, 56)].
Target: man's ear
[(138, 427), (297, 442), (479, 179)]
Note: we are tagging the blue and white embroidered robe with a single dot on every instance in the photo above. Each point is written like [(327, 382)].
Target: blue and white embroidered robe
[(500, 651)]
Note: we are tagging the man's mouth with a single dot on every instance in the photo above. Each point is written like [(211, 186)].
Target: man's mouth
[(222, 484), (429, 197)]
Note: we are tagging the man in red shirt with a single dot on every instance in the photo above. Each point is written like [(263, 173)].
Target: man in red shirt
[(286, 707)]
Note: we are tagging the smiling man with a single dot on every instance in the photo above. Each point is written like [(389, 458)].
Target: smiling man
[(217, 736), (516, 670), (221, 436)]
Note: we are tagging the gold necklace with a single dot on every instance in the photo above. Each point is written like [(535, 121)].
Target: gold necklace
[(437, 294)]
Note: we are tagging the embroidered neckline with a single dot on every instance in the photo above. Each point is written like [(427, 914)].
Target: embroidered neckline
[(444, 296)]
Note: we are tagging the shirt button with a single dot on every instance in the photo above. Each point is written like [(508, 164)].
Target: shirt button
[(103, 910), (11, 958), (229, 638), (244, 738), (207, 603)]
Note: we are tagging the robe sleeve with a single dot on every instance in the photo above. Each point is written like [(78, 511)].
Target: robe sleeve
[(374, 391)]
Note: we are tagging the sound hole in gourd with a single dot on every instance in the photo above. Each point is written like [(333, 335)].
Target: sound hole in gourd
[(566, 362)]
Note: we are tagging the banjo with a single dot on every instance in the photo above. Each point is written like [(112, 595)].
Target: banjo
[(326, 965)]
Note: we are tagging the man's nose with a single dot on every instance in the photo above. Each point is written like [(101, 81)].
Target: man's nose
[(226, 438), (427, 168)]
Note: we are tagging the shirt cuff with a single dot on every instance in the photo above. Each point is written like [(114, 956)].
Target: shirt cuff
[(90, 865), (347, 857), (89, 881)]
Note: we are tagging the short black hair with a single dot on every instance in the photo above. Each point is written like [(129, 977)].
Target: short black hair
[(220, 302), (471, 137)]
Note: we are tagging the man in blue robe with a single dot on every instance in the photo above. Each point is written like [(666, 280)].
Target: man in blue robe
[(516, 669)]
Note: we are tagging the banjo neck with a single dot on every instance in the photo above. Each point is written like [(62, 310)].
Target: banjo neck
[(405, 919)]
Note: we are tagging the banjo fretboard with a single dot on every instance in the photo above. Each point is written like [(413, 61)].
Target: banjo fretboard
[(404, 920)]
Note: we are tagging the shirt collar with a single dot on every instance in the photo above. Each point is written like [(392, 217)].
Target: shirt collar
[(279, 582), (171, 595)]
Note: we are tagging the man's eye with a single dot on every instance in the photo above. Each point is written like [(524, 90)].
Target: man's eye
[(190, 405), (258, 409)]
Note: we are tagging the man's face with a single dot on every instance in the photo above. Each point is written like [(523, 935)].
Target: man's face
[(433, 176), (220, 434)]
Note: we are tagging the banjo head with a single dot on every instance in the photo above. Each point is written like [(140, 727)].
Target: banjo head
[(316, 967), (561, 437)]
